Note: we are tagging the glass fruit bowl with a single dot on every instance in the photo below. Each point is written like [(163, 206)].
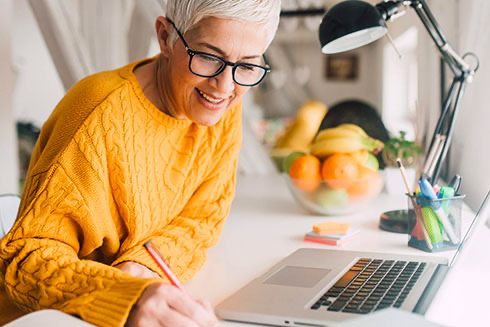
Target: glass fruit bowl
[(334, 197)]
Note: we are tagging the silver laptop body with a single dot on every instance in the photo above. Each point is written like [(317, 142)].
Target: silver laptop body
[(287, 292)]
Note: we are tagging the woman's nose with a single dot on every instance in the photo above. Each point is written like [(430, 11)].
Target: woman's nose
[(224, 81)]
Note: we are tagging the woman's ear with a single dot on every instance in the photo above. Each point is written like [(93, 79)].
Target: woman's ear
[(162, 28)]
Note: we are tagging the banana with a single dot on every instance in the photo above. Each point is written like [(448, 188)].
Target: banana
[(353, 128), (299, 135), (329, 146), (335, 132), (344, 130)]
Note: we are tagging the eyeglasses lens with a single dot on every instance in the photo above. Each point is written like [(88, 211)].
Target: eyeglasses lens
[(208, 66)]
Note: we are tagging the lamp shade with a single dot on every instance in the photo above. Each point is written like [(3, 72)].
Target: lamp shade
[(349, 25)]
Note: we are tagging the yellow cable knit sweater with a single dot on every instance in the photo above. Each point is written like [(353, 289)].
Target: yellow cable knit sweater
[(110, 172)]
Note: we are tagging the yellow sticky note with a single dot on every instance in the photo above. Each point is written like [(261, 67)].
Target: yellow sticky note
[(331, 227)]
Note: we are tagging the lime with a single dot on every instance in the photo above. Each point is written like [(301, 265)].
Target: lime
[(332, 198), (286, 162), (372, 162)]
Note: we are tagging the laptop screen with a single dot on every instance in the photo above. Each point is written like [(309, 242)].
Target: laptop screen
[(481, 217)]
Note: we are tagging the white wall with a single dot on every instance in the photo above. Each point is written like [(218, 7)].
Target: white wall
[(8, 139), (470, 155), (366, 87)]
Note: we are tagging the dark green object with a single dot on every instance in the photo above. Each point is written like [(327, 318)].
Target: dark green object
[(395, 221)]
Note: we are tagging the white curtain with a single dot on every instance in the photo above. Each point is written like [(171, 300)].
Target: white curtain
[(8, 145), (470, 155), (88, 36)]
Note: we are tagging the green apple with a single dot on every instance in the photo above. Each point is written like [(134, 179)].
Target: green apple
[(372, 162), (332, 198), (287, 162)]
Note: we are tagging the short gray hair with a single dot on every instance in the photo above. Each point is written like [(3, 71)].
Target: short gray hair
[(186, 14)]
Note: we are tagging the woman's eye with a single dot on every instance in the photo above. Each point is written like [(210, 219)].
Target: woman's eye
[(247, 68), (208, 58)]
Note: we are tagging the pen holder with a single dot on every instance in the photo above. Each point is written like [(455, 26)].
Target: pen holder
[(434, 225)]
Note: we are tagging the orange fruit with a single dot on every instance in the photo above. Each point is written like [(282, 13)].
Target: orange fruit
[(339, 170), (305, 171), (369, 183)]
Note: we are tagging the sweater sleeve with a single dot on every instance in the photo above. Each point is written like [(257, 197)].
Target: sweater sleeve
[(186, 239), (67, 219)]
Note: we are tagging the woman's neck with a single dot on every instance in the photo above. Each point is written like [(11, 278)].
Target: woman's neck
[(147, 78)]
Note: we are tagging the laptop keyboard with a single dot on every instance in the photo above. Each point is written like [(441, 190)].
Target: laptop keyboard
[(372, 285)]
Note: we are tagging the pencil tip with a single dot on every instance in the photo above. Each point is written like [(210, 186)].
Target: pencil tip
[(399, 163)]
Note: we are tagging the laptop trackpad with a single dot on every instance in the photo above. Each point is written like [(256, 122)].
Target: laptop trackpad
[(297, 276)]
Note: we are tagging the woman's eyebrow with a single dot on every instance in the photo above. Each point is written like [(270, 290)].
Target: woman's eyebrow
[(222, 53)]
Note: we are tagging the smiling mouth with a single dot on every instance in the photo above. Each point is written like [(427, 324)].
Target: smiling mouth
[(209, 98)]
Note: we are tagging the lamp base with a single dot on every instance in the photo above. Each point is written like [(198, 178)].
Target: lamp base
[(395, 221)]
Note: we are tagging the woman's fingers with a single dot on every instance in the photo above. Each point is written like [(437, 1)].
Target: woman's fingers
[(205, 304), (165, 305), (158, 316), (194, 309)]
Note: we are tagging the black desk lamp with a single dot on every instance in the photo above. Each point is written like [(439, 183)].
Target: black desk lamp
[(352, 24)]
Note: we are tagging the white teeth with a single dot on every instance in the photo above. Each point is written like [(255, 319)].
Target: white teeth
[(208, 98)]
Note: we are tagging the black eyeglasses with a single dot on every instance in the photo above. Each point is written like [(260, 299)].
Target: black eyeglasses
[(209, 65)]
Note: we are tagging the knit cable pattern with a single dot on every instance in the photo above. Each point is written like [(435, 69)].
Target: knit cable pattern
[(94, 195)]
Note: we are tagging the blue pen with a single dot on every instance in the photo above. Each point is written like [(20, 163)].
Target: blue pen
[(429, 193)]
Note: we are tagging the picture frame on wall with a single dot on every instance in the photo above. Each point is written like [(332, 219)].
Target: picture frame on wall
[(342, 67)]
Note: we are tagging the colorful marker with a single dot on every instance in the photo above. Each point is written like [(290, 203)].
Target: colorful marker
[(445, 193), (432, 224), (428, 192)]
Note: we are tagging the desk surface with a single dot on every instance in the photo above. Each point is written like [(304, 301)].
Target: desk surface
[(266, 224)]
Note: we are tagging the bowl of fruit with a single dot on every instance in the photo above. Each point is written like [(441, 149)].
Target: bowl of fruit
[(340, 173)]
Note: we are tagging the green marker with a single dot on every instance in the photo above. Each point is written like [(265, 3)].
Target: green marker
[(432, 225), (444, 193)]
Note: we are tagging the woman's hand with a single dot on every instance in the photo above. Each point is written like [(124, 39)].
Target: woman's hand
[(137, 270), (165, 305)]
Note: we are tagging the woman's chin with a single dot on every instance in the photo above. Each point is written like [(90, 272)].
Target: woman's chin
[(206, 120)]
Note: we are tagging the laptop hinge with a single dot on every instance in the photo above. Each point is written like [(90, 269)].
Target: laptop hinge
[(431, 289)]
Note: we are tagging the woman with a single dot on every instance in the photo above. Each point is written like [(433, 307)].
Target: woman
[(145, 152)]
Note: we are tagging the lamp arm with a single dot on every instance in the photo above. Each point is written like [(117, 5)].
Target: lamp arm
[(462, 75), (445, 46), (444, 112), (455, 62), (390, 8), (450, 128), (457, 57), (421, 3)]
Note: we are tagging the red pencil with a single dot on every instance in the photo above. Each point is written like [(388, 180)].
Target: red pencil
[(152, 250)]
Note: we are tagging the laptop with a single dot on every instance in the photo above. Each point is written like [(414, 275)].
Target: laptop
[(320, 287)]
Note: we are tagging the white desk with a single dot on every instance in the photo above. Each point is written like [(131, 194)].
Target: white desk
[(266, 224)]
